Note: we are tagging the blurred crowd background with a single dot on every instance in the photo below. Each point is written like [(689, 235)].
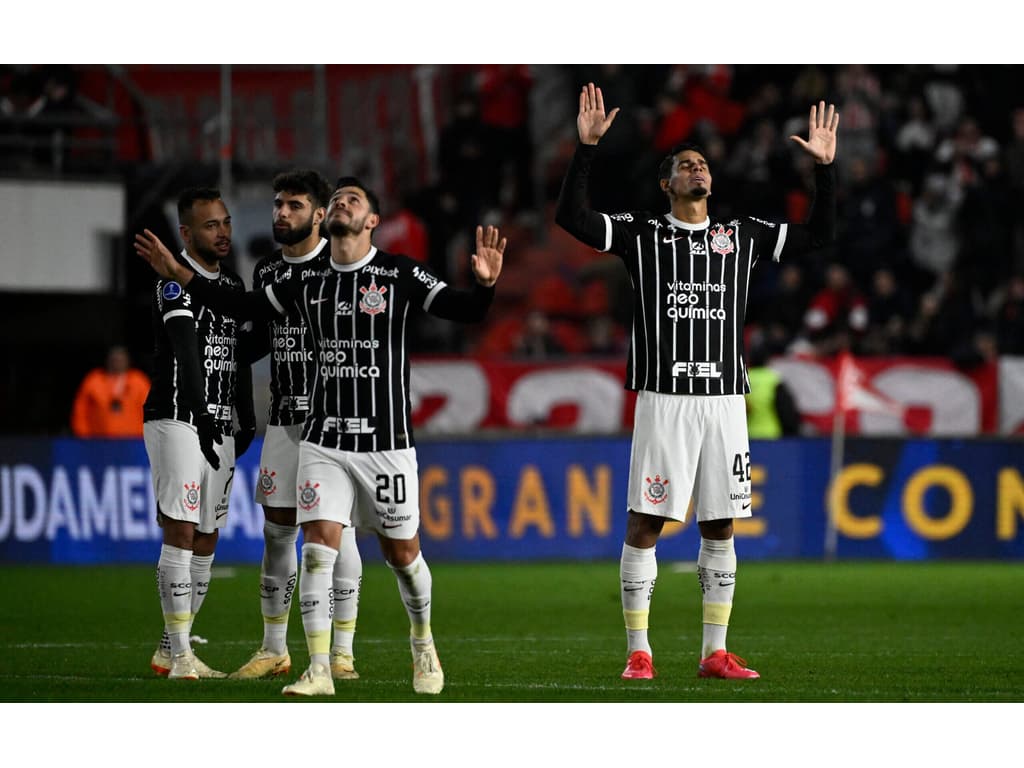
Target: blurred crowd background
[(929, 260)]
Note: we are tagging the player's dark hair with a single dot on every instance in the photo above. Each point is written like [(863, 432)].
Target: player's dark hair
[(352, 181), (189, 196), (665, 169), (303, 181)]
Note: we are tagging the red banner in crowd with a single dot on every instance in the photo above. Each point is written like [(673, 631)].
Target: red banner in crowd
[(881, 396)]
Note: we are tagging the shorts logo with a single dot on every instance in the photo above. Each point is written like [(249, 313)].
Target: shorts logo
[(192, 496), (656, 491), (266, 482), (172, 290), (373, 302), (308, 495), (721, 241)]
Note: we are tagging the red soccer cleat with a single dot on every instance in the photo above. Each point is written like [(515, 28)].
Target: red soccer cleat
[(726, 665), (639, 667)]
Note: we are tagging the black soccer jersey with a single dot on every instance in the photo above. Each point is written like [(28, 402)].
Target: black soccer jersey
[(216, 335), (290, 347), (690, 282), (357, 316)]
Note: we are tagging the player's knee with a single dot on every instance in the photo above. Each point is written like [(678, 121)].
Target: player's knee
[(716, 529)]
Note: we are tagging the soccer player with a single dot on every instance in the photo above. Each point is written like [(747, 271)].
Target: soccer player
[(300, 205), (357, 456), (198, 389), (690, 275)]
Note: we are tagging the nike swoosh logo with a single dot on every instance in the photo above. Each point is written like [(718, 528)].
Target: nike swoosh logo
[(631, 589), (181, 594), (396, 525), (669, 240), (318, 301), (747, 505), (343, 599), (309, 611), (726, 583)]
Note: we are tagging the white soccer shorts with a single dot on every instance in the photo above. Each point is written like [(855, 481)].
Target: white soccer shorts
[(187, 488), (690, 445), (377, 491), (279, 464)]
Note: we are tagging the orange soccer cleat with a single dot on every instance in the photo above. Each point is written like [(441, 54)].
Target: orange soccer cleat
[(726, 665), (639, 667)]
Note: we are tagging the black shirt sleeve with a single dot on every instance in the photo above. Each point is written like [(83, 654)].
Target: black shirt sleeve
[(573, 214), (253, 305), (820, 229), (181, 331), (462, 306)]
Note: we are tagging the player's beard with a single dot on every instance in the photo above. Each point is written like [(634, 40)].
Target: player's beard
[(295, 234), (338, 228)]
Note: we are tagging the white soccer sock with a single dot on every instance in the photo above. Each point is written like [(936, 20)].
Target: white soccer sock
[(199, 569), (278, 575), (174, 584), (414, 585), (716, 572), (348, 578), (315, 600), (638, 572)]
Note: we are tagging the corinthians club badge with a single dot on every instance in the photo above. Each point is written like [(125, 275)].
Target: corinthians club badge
[(721, 241)]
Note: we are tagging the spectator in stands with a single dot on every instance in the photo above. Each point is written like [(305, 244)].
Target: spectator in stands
[(934, 237), (537, 340), (504, 94), (109, 399), (1010, 318), (771, 407), (1014, 163), (838, 314), (889, 312)]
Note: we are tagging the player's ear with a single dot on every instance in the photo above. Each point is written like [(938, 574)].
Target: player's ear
[(373, 220), (186, 233)]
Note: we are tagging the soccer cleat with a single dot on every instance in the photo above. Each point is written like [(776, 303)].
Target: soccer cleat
[(343, 666), (639, 667), (427, 675), (726, 665), (161, 661), (205, 672), (315, 681), (263, 663), (183, 667)]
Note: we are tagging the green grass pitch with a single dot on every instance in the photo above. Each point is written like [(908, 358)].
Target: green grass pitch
[(817, 633)]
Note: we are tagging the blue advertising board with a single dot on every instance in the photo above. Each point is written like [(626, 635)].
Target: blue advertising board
[(91, 501)]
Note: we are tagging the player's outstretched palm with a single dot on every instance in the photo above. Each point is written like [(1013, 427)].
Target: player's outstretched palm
[(490, 252), (592, 122), (821, 133)]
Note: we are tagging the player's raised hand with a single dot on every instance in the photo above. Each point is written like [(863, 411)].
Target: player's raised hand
[(821, 133), (150, 248), (490, 252), (592, 122)]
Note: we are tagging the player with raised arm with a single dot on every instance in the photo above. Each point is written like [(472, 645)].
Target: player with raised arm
[(300, 205), (690, 275), (357, 457), (198, 389)]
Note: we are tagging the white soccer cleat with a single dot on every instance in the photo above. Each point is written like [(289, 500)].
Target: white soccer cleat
[(427, 675), (343, 666), (264, 663), (315, 681), (205, 672), (183, 667), (161, 661)]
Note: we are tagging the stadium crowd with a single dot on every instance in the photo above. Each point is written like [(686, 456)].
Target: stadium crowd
[(930, 256)]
